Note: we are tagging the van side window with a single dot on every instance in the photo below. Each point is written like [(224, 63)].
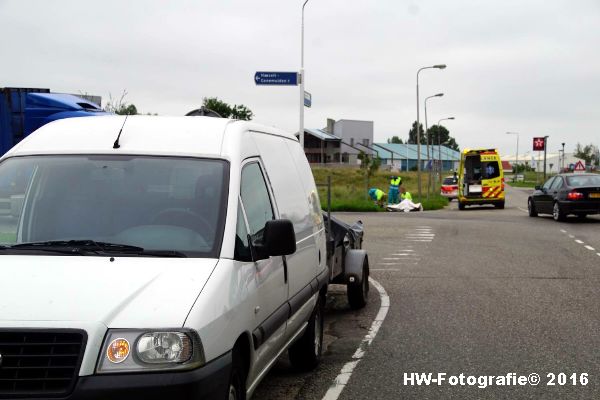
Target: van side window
[(242, 249), (255, 197)]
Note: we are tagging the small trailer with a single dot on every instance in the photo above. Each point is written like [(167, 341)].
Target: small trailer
[(348, 262)]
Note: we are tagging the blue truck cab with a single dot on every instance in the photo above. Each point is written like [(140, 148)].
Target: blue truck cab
[(23, 110)]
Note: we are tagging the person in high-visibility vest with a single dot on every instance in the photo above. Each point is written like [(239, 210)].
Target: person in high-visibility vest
[(406, 195), (378, 196), (395, 182)]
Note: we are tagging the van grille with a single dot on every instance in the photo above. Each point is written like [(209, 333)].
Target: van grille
[(37, 363)]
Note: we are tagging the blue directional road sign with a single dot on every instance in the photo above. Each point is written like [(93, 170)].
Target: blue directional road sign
[(276, 78)]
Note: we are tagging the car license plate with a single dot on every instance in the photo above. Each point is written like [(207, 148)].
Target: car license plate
[(594, 195)]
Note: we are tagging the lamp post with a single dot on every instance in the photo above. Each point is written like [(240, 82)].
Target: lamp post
[(438, 66), (440, 145), (545, 147), (427, 136), (301, 74), (516, 155), (563, 157)]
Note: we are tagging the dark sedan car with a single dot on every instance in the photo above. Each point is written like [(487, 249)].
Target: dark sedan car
[(566, 194)]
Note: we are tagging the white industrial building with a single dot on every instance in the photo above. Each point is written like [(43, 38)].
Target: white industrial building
[(554, 161)]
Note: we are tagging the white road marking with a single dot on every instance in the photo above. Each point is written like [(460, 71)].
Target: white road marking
[(418, 240), (389, 263), (589, 248), (563, 231), (598, 254), (385, 269), (578, 241), (344, 376), (405, 254), (522, 209), (571, 236)]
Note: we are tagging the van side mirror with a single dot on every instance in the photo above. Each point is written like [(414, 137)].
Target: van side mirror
[(278, 239)]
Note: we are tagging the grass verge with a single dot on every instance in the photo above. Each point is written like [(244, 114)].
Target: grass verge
[(349, 188)]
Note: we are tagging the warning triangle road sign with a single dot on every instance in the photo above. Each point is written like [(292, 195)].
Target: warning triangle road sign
[(579, 167)]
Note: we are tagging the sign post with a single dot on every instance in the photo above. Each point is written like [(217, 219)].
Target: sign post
[(539, 144)]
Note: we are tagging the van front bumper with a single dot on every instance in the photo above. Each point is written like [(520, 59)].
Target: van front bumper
[(210, 381)]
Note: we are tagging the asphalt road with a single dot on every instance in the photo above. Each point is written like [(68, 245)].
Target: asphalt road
[(475, 292)]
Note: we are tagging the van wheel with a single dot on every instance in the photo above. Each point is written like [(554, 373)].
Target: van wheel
[(500, 205), (557, 213), (306, 353), (358, 295), (237, 379), (461, 205), (531, 208)]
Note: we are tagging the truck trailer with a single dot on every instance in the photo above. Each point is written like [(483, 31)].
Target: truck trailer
[(23, 110)]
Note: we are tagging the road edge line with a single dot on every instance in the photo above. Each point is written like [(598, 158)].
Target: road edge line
[(343, 377)]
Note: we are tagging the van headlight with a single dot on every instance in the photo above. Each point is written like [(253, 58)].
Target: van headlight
[(126, 350)]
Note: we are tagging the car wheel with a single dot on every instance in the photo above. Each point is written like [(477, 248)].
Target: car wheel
[(531, 208), (237, 379), (461, 205), (557, 213), (358, 295), (306, 353)]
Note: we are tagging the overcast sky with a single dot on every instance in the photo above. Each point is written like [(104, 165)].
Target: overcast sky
[(528, 66)]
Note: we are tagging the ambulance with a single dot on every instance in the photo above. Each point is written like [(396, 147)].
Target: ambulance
[(480, 179)]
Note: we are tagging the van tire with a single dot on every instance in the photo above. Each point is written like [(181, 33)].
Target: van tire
[(306, 353), (461, 205), (500, 205), (358, 295), (237, 379)]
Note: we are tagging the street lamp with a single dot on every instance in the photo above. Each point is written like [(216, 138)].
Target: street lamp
[(516, 156), (440, 145), (427, 136), (563, 157), (438, 66), (301, 74)]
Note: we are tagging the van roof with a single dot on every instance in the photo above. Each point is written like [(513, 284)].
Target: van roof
[(158, 135)]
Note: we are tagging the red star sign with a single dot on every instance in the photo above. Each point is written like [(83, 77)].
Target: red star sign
[(538, 144)]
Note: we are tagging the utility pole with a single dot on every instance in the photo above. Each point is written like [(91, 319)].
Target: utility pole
[(545, 147), (301, 77)]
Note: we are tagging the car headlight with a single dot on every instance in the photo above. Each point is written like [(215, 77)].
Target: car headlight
[(129, 350)]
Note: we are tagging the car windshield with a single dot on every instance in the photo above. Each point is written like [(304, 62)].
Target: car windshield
[(117, 203), (583, 180), (449, 181)]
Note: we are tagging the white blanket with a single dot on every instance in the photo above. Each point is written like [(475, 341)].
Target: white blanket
[(405, 206)]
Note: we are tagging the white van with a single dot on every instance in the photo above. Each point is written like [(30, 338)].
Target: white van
[(179, 261)]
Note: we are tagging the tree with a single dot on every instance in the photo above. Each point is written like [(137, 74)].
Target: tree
[(588, 153), (237, 111), (412, 134), (394, 139), (439, 134), (120, 106)]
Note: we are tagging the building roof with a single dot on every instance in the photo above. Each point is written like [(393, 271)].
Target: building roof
[(403, 151), (321, 134)]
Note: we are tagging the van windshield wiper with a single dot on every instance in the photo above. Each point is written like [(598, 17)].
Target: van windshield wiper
[(76, 246), (86, 246)]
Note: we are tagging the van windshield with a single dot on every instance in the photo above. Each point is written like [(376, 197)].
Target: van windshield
[(135, 205)]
